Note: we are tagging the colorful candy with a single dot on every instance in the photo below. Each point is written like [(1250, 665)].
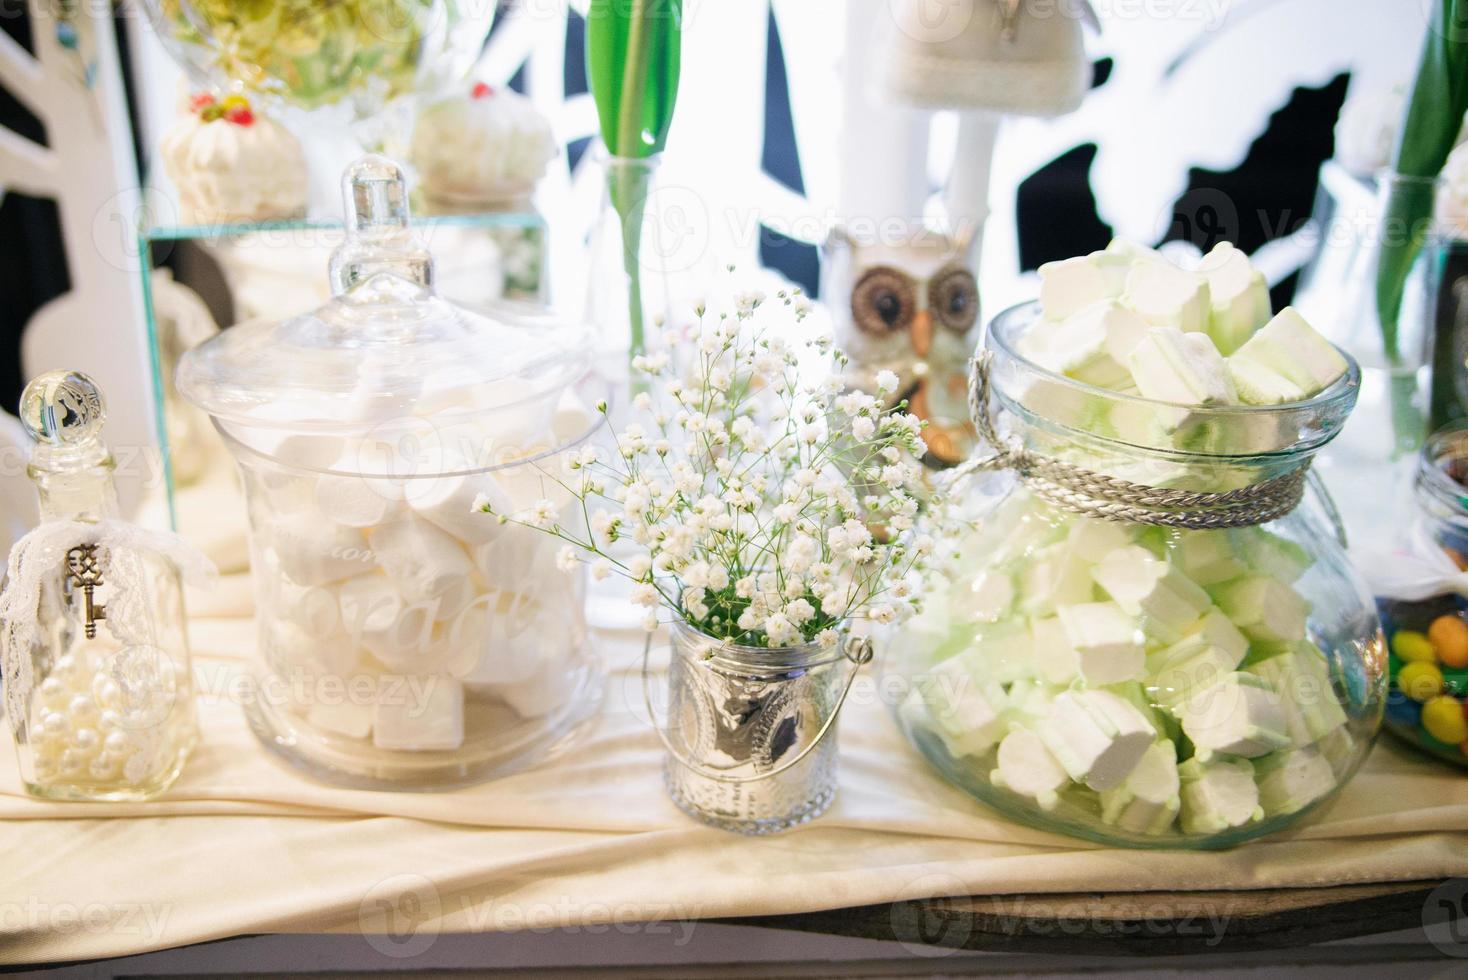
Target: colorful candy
[(1449, 637), (1443, 718), (1429, 668), (1413, 646), (1420, 681)]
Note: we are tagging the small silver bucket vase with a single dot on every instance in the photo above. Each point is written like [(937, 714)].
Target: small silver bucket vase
[(750, 732)]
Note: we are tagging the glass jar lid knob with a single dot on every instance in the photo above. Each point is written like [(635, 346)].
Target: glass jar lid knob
[(378, 238)]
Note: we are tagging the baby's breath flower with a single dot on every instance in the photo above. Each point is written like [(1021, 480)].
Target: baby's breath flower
[(741, 496), (566, 559)]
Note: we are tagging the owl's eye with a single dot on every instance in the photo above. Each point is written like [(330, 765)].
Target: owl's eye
[(954, 298), (883, 301)]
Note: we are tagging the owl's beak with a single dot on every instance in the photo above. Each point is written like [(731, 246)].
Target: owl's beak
[(922, 332)]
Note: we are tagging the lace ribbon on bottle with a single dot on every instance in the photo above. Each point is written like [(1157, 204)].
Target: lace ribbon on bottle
[(119, 546)]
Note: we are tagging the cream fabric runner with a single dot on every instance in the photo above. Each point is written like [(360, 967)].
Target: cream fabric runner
[(243, 845)]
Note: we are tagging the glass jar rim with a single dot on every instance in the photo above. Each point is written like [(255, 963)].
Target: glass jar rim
[(752, 659), (1004, 330), (1433, 480)]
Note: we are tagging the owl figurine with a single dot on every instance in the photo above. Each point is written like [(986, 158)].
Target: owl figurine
[(910, 307)]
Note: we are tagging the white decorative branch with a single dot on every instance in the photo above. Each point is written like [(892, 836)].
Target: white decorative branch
[(26, 167), (22, 76)]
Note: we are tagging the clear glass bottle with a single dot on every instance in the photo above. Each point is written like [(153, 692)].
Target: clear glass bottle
[(1131, 683), (99, 694), (1338, 291)]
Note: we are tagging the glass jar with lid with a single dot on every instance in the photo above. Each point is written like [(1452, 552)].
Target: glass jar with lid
[(1147, 632), (407, 640)]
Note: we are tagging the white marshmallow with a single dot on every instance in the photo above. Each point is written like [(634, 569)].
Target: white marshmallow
[(448, 502), (1106, 642), (1071, 285), (1027, 702), (426, 565), (518, 559), (292, 652), (1166, 296), (1264, 608), (424, 717), (314, 608), (1080, 347), (1055, 658), (1239, 295), (1144, 585), (1215, 630), (1130, 252), (572, 417), (290, 449), (967, 708), (1068, 404), (1148, 802), (481, 638), (1240, 715), (349, 720), (1218, 795), (311, 551), (1208, 557), (1291, 780), (1202, 658), (1026, 767), (1096, 736), (1000, 651), (1168, 365), (1143, 423), (1272, 554), (1302, 678), (1014, 532), (989, 596), (397, 633), (1055, 577), (357, 501), (1290, 347), (1092, 540), (1258, 384)]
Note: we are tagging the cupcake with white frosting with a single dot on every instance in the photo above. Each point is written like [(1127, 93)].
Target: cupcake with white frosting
[(231, 164), (487, 146)]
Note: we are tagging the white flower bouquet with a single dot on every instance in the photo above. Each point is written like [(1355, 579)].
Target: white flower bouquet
[(765, 505)]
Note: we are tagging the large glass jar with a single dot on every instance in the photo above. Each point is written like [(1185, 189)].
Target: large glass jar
[(407, 640), (1126, 681), (1419, 593)]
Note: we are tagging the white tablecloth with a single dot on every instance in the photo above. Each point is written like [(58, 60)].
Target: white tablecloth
[(243, 845)]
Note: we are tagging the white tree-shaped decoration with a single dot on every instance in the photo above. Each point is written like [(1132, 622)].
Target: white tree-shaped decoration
[(87, 168)]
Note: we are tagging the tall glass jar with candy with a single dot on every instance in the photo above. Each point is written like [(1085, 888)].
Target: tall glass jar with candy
[(1150, 636), (1420, 591)]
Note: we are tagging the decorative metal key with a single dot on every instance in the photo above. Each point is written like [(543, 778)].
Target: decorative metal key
[(86, 573)]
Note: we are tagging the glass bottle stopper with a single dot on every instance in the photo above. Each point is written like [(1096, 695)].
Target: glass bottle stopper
[(378, 238), (63, 412)]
